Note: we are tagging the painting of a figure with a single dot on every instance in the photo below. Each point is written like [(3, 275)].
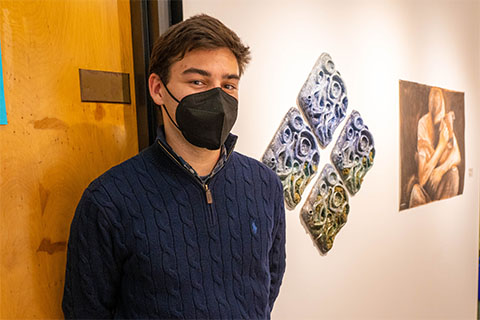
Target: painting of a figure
[(432, 147)]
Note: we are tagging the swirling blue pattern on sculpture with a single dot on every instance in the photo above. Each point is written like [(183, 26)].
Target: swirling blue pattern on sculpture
[(323, 99), (354, 152), (326, 210), (293, 155)]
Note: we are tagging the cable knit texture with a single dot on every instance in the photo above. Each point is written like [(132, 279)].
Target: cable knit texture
[(145, 243)]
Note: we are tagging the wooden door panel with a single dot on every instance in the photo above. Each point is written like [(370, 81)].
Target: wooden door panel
[(54, 145)]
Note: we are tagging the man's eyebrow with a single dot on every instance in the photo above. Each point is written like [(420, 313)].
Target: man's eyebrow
[(231, 76), (198, 71), (208, 74)]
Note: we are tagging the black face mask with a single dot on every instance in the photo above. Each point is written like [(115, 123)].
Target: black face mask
[(206, 118)]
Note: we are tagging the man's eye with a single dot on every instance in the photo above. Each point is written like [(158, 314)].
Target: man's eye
[(229, 87), (197, 82)]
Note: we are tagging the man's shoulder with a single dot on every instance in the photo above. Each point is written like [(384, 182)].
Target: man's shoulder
[(254, 166), (124, 187), (259, 176), (119, 176), (247, 160)]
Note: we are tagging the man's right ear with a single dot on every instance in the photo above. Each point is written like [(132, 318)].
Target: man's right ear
[(155, 86)]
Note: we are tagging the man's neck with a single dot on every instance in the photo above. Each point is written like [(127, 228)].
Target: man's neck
[(200, 159)]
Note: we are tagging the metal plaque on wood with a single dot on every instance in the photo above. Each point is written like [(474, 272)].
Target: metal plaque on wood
[(104, 86)]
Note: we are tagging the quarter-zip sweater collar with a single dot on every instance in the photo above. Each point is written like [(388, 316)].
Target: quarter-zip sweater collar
[(226, 149)]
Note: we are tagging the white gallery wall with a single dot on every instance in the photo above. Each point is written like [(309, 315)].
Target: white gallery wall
[(415, 264)]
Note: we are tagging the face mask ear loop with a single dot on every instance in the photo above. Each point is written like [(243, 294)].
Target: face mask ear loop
[(164, 107), (171, 95), (168, 114)]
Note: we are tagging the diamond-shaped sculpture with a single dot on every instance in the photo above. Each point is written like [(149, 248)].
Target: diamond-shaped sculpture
[(323, 99), (354, 152), (326, 209), (293, 155)]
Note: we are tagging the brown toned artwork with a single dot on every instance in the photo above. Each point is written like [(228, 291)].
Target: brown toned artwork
[(432, 144)]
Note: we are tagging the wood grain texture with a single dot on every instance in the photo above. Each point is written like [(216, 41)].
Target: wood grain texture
[(54, 145)]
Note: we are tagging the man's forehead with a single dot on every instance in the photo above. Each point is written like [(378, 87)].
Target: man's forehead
[(203, 61)]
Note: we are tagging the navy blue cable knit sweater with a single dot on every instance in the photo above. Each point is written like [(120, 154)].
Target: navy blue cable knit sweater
[(149, 240)]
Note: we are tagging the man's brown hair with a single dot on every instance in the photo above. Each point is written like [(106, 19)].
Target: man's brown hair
[(198, 32)]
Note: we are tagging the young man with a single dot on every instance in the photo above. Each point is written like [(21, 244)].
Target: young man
[(188, 228)]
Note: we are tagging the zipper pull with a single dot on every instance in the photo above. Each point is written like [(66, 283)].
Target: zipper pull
[(208, 193)]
